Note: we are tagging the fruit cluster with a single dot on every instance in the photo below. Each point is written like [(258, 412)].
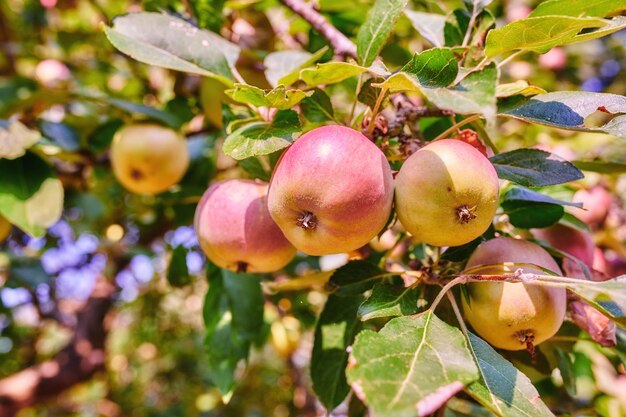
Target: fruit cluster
[(332, 191)]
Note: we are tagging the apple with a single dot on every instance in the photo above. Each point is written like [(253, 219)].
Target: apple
[(446, 193), (236, 231), (331, 191), (5, 229), (148, 158), (513, 316)]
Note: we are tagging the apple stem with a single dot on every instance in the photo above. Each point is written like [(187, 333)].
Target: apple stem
[(465, 213), (527, 337), (307, 220), (242, 267)]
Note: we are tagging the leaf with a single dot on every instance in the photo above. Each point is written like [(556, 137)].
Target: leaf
[(177, 271), (608, 297), (156, 114), (502, 388), (376, 29), (604, 167), (262, 138), (540, 34), (534, 168), (389, 301), (334, 332), (429, 25), (411, 359), (475, 94), (529, 209), (436, 67), (170, 42), (579, 8), (612, 26), (355, 277), (330, 73), (283, 67), (63, 135), (278, 98), (520, 87), (317, 107), (566, 367), (208, 13), (27, 272), (568, 110), (31, 197), (15, 138)]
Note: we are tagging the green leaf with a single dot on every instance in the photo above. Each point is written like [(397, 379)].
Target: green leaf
[(436, 67), (31, 197), (608, 297), (63, 135), (246, 303), (334, 332), (355, 277), (317, 108), (519, 87), (100, 139), (534, 168), (374, 32), (429, 25), (502, 388), (369, 92), (540, 34), (177, 271), (15, 138), (475, 94), (604, 167), (389, 301), (330, 73), (413, 363), (612, 26), (262, 138), (170, 42), (208, 13), (283, 67), (26, 272), (579, 8), (529, 209), (278, 98), (569, 109), (156, 114), (565, 363)]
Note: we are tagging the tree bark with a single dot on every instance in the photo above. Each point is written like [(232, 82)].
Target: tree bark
[(77, 362)]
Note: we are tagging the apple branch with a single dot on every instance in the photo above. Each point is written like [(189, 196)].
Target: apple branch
[(76, 363), (339, 42)]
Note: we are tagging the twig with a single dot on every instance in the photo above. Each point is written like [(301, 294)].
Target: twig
[(510, 58), (379, 101), (340, 43), (457, 126)]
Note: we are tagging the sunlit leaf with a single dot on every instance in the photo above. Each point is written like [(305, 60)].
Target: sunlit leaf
[(374, 32)]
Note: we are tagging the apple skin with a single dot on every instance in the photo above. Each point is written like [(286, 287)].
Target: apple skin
[(236, 231), (331, 192), (569, 240), (148, 158), (439, 181), (5, 229), (503, 313), (597, 201)]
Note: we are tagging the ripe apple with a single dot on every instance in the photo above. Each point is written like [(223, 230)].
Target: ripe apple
[(597, 201), (513, 316), (236, 231), (331, 191), (569, 240), (148, 158), (5, 228), (446, 193)]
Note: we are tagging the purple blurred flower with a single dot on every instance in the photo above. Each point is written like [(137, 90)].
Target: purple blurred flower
[(13, 297), (142, 268), (195, 262), (75, 283), (593, 85), (184, 235), (61, 230), (610, 68)]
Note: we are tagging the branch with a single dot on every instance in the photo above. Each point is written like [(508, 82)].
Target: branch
[(77, 362), (340, 43)]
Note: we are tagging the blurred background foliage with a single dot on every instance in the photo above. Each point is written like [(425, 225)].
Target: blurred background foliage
[(58, 71)]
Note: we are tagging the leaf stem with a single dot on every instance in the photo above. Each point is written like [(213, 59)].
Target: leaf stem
[(356, 95), (510, 58), (470, 26), (458, 314), (379, 101), (457, 125)]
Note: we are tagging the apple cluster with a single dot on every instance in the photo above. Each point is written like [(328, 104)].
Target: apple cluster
[(333, 191)]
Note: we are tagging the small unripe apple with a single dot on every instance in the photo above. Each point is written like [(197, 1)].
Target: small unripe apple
[(148, 158), (513, 316), (5, 228), (446, 193), (235, 229), (331, 191), (569, 240)]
